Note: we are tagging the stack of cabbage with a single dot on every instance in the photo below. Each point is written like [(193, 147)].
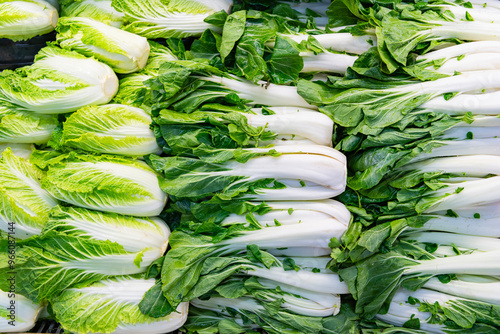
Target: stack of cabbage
[(21, 20), (79, 222)]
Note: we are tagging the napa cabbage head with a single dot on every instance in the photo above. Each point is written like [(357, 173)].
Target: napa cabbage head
[(59, 81), (23, 202), (112, 306), (105, 183), (165, 19), (123, 51), (26, 312), (25, 127), (22, 20), (99, 10), (110, 128)]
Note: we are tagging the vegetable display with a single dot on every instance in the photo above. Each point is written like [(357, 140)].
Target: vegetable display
[(324, 167)]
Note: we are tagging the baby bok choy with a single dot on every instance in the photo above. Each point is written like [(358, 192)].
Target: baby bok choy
[(290, 172), (105, 183), (239, 238), (182, 134)]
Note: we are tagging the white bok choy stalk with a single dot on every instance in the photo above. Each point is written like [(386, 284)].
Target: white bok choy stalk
[(25, 127), (124, 52), (384, 106), (463, 49), (99, 10), (477, 224), (23, 313), (59, 81), (260, 314), (262, 93), (469, 243), (380, 275), (159, 19), (240, 129), (341, 42), (112, 306), (291, 172), (111, 128), (21, 20), (449, 313), (103, 183), (327, 62), (481, 288), (24, 205)]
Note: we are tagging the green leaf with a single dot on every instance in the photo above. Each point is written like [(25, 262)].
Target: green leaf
[(232, 32)]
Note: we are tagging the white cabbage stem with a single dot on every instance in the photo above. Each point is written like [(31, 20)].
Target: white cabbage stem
[(450, 148), (341, 42), (263, 92), (487, 227), (466, 165), (488, 292), (453, 239), (309, 125), (323, 283), (327, 62)]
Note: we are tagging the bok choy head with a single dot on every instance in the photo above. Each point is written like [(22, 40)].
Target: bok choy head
[(21, 20), (105, 183), (58, 82)]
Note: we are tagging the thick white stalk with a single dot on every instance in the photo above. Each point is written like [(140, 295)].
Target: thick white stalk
[(324, 299), (327, 62), (476, 192), (466, 165), (482, 104), (487, 227), (486, 292), (467, 132), (294, 192), (479, 263), (315, 169), (342, 42), (263, 93), (310, 125), (324, 283), (478, 13), (401, 313), (283, 110), (219, 304), (313, 234), (452, 148), (312, 150), (473, 62), (300, 251), (453, 239), (466, 82), (467, 31), (490, 4), (462, 49)]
